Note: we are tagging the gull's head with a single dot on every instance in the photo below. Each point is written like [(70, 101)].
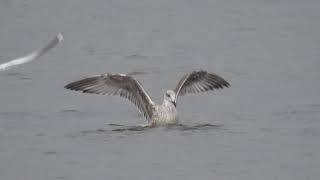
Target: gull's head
[(170, 96)]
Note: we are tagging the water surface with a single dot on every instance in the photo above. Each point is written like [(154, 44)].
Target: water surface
[(269, 117)]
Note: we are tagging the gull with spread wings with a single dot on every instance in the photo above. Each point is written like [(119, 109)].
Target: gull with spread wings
[(128, 87)]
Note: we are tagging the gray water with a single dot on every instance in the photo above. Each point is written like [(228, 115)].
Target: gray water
[(269, 119)]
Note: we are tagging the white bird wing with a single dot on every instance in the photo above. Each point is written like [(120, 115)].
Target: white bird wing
[(199, 81), (33, 55), (116, 84)]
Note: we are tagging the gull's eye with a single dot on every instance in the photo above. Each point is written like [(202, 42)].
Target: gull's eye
[(167, 95)]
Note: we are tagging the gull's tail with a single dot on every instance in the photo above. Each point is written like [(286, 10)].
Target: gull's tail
[(32, 56)]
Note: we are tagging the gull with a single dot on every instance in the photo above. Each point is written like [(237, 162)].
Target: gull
[(34, 55), (131, 89)]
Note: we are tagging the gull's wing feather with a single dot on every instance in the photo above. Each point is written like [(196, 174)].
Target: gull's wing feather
[(116, 84), (199, 81), (33, 55)]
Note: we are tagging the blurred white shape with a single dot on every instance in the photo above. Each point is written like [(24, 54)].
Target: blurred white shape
[(32, 56)]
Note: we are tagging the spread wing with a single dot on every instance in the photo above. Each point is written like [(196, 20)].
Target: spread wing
[(199, 81), (32, 56), (116, 85)]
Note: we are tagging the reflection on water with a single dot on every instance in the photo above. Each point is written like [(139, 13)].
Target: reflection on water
[(137, 56), (306, 112), (22, 76), (179, 127)]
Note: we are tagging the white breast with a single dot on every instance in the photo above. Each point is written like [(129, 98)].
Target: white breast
[(164, 115)]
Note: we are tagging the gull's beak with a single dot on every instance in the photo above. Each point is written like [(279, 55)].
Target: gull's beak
[(174, 103)]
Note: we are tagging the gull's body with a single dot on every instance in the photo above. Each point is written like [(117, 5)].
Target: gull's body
[(164, 114), (131, 89)]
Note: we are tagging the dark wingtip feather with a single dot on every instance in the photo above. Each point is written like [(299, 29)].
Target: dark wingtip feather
[(219, 82), (72, 86), (81, 84), (226, 84), (69, 86), (200, 81)]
